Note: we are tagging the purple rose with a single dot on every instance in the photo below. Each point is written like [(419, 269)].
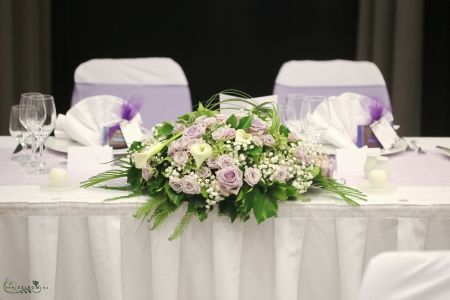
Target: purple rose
[(258, 126), (178, 145), (327, 167), (257, 141), (281, 173), (180, 158), (300, 154), (204, 172), (292, 137), (224, 161), (268, 140), (252, 176), (190, 186), (230, 180), (224, 133), (176, 184), (207, 121), (179, 128), (212, 163), (221, 118), (147, 173), (194, 131)]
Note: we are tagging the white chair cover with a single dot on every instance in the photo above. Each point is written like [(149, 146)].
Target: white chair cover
[(331, 78), (407, 276), (158, 82)]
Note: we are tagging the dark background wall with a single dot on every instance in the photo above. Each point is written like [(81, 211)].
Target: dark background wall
[(219, 44), (235, 44)]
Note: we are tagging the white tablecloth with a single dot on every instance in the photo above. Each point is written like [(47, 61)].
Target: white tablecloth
[(79, 247)]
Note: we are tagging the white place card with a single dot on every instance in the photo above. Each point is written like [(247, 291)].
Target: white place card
[(384, 132), (131, 131), (350, 162), (84, 162)]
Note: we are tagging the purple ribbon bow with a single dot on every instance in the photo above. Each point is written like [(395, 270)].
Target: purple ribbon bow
[(128, 112)]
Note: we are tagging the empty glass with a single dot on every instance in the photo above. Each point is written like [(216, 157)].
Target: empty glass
[(34, 118), (47, 126), (294, 104), (315, 116), (18, 131), (28, 136)]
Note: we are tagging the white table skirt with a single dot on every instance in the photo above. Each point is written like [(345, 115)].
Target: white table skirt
[(94, 250), (79, 247)]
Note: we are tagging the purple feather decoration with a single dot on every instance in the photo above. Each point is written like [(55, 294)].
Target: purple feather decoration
[(128, 112)]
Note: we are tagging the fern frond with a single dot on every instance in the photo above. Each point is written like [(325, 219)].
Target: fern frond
[(161, 213), (182, 225), (103, 177)]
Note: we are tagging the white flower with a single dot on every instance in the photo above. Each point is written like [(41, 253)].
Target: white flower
[(140, 159), (242, 136), (200, 152)]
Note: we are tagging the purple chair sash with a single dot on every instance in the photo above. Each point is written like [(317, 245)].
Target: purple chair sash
[(376, 92), (159, 102)]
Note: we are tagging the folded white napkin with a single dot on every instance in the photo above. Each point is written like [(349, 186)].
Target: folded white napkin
[(84, 122), (347, 111)]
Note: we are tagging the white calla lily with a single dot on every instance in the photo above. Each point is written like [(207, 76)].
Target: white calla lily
[(200, 152), (141, 158), (242, 136)]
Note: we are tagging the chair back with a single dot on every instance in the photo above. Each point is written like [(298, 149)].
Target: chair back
[(158, 82), (331, 78), (407, 276)]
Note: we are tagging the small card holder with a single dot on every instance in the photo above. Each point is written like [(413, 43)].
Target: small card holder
[(366, 137), (384, 132)]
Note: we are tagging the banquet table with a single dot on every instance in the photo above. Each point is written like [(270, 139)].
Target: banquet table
[(79, 246)]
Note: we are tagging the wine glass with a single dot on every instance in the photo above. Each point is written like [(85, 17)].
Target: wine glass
[(315, 115), (27, 136), (294, 104), (17, 130), (47, 126), (35, 113)]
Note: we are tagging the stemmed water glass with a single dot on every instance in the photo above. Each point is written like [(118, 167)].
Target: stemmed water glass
[(47, 126), (315, 116), (34, 118), (28, 136), (293, 106), (18, 131)]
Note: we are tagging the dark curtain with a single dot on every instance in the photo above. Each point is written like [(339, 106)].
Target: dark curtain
[(25, 52)]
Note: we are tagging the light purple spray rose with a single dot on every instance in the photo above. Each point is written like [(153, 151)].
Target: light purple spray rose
[(180, 158), (268, 140), (223, 133), (190, 185), (204, 172), (300, 154), (252, 176), (327, 167), (224, 161), (230, 180), (281, 173), (179, 128), (178, 145), (258, 126), (292, 137), (221, 118), (257, 141), (194, 131), (207, 121), (147, 173), (176, 184), (212, 163)]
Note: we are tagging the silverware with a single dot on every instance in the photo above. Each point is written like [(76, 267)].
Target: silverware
[(443, 148), (417, 147), (18, 149)]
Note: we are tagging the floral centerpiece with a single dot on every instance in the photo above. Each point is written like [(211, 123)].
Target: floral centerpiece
[(237, 164)]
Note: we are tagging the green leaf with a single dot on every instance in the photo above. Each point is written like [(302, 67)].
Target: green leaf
[(184, 222), (256, 151), (195, 201), (135, 146), (175, 198), (202, 111), (245, 122), (284, 130), (278, 192), (134, 176), (165, 129), (228, 208), (155, 185), (315, 171), (292, 192), (232, 121), (201, 213), (263, 205)]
